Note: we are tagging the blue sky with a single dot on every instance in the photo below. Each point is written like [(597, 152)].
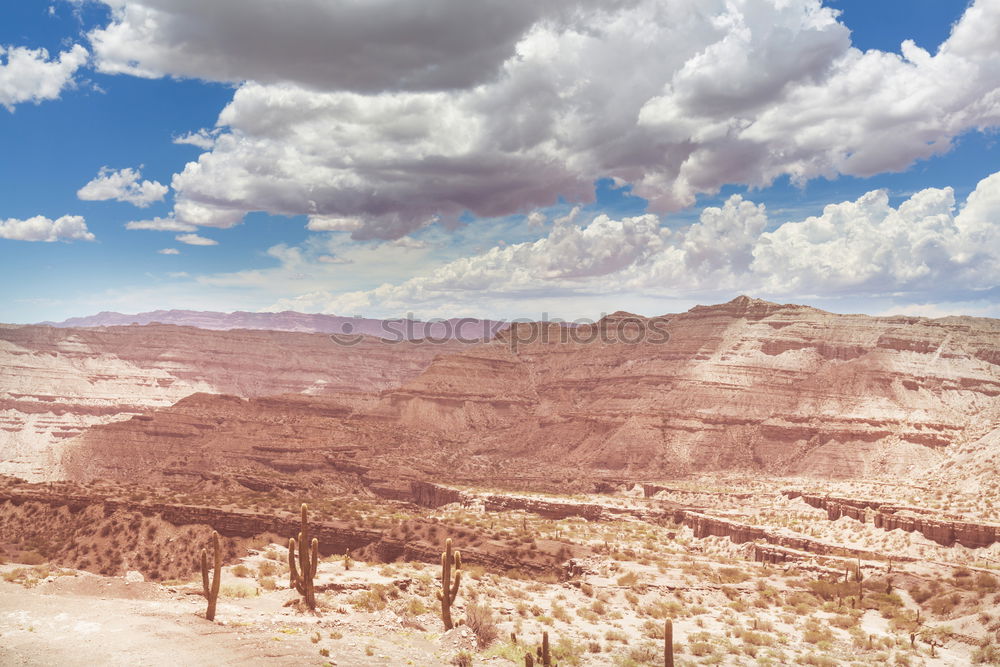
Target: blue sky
[(551, 171)]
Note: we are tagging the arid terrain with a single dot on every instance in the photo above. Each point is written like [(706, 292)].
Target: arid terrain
[(784, 485)]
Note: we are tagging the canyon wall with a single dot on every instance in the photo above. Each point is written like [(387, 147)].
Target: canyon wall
[(748, 384), (57, 383)]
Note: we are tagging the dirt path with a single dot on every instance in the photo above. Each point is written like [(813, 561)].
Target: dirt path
[(84, 630)]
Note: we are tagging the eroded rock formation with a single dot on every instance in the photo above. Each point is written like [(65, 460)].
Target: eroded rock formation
[(57, 383), (944, 529)]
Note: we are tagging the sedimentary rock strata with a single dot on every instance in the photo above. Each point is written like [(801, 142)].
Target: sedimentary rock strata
[(57, 383)]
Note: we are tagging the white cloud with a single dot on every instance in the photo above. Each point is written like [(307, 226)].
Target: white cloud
[(864, 248), (28, 75), (203, 138), (318, 223), (124, 186), (673, 98), (167, 224), (169, 251), (194, 239), (40, 228)]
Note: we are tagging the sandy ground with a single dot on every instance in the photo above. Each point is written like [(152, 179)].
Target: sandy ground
[(91, 620), (74, 629)]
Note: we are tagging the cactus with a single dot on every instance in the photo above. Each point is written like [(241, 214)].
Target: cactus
[(211, 590), (546, 659), (449, 587), (528, 660), (302, 581), (668, 642)]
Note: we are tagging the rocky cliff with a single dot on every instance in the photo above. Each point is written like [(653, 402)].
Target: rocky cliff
[(944, 529), (57, 383), (747, 384)]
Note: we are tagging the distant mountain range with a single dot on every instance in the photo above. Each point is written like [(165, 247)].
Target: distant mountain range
[(399, 329)]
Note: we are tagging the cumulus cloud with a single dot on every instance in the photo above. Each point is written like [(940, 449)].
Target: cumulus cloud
[(673, 98), (167, 224), (194, 239), (363, 45), (124, 186), (29, 75), (864, 247), (169, 251), (203, 139), (40, 228)]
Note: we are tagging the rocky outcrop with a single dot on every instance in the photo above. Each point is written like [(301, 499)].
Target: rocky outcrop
[(430, 494), (946, 530), (704, 525), (421, 540), (334, 537)]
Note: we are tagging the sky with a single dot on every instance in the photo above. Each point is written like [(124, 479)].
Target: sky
[(501, 159)]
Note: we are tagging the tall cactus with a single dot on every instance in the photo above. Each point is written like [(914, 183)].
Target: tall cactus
[(546, 659), (449, 587), (668, 643), (301, 579), (211, 589)]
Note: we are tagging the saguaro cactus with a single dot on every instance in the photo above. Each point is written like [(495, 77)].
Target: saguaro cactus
[(668, 643), (449, 587), (546, 660), (301, 578), (211, 588)]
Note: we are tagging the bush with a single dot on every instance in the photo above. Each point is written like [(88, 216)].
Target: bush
[(462, 659), (480, 619)]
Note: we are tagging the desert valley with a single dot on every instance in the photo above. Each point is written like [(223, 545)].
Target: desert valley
[(769, 484)]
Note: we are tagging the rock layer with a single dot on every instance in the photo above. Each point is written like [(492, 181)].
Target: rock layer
[(748, 384), (945, 530), (57, 383)]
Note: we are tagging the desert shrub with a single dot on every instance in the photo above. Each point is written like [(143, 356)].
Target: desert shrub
[(700, 649), (462, 659), (267, 569), (986, 655), (732, 575), (480, 619), (616, 636), (559, 612), (945, 604), (374, 599), (267, 583), (985, 582), (415, 607), (239, 590), (567, 652), (240, 570)]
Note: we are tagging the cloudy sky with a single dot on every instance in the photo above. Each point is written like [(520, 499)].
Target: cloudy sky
[(499, 158)]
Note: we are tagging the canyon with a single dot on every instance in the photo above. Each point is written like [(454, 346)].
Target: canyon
[(746, 385), (751, 470)]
